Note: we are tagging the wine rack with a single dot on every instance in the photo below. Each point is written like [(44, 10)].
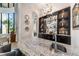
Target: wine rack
[(64, 21), (62, 18)]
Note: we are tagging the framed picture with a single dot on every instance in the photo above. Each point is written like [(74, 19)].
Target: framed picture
[(75, 16), (76, 22)]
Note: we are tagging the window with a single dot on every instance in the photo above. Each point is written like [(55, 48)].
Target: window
[(6, 5), (11, 22), (0, 23), (7, 23), (4, 23), (0, 4)]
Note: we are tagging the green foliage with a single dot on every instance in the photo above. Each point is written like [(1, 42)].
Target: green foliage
[(5, 22)]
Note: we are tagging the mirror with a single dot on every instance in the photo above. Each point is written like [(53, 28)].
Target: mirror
[(51, 24)]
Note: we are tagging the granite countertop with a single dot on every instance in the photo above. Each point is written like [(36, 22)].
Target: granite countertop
[(52, 54), (42, 48)]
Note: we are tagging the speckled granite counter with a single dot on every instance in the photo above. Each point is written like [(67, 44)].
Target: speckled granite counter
[(41, 47), (52, 54)]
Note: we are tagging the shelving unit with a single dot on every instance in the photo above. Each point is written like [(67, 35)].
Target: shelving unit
[(42, 26), (62, 26)]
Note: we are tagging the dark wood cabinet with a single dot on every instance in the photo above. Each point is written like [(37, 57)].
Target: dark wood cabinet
[(47, 36), (42, 26), (63, 26)]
